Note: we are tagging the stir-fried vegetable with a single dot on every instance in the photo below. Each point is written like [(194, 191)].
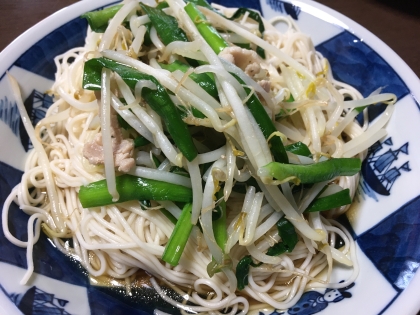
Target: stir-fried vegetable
[(132, 188), (242, 271), (256, 17), (202, 79), (298, 148), (217, 43), (288, 239), (176, 243), (158, 99), (166, 25), (98, 20), (266, 125), (312, 173), (209, 33), (140, 141), (332, 201), (219, 223)]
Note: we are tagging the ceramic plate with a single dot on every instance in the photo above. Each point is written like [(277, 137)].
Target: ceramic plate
[(385, 220)]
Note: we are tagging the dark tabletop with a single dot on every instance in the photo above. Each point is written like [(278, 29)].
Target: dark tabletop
[(397, 23)]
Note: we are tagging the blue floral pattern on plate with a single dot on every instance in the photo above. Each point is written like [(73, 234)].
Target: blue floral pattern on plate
[(378, 169), (36, 301)]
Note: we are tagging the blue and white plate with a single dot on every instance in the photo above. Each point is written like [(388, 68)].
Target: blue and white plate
[(385, 220)]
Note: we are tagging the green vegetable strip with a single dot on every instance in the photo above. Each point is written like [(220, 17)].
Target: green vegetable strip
[(180, 171), (158, 100), (285, 112), (267, 127), (277, 249), (242, 271), (336, 200), (290, 99), (243, 45), (261, 52), (288, 237), (98, 20), (155, 160), (217, 43), (202, 79), (256, 108), (196, 113), (312, 173), (122, 123), (213, 267), (179, 237), (360, 109), (298, 148), (219, 225), (168, 215), (131, 187), (257, 18), (162, 5), (251, 14), (287, 233), (241, 187), (140, 141), (212, 37), (147, 41), (202, 3), (166, 25), (185, 112)]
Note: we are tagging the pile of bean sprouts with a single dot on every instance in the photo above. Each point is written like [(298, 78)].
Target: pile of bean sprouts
[(120, 239)]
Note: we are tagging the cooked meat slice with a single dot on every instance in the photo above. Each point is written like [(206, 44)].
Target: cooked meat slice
[(253, 69), (94, 151), (240, 56), (122, 149), (123, 155), (265, 85)]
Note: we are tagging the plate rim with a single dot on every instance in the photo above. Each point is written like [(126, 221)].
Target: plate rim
[(406, 298), (372, 40)]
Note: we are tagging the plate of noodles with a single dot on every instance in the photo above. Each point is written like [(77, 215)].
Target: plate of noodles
[(178, 157)]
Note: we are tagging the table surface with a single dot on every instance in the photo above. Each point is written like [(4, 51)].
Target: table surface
[(397, 23)]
